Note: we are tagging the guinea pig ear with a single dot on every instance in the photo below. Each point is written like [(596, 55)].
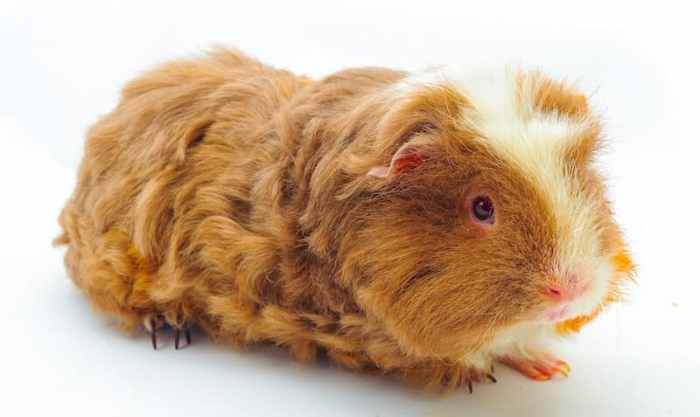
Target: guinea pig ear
[(413, 125), (410, 155)]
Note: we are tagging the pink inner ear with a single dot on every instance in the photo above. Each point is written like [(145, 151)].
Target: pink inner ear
[(407, 157)]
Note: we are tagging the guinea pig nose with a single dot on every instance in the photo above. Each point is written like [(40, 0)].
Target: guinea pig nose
[(554, 293), (566, 287)]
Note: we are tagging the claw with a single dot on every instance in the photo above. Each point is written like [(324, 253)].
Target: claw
[(153, 334), (188, 337), (491, 378), (563, 367), (469, 385)]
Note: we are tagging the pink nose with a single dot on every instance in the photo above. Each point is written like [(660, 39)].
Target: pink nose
[(554, 293), (566, 288)]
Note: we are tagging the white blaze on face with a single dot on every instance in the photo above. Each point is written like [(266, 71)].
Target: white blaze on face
[(504, 116), (536, 142)]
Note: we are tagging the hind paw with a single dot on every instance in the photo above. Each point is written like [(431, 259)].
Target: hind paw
[(153, 322)]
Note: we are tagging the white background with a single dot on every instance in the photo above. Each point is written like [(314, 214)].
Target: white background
[(62, 64)]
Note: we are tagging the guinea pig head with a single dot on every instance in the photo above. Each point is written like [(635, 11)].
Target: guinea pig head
[(484, 210)]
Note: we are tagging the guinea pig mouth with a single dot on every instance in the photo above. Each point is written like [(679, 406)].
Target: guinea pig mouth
[(569, 309), (557, 313)]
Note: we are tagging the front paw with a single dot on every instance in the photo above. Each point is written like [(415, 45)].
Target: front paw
[(541, 366)]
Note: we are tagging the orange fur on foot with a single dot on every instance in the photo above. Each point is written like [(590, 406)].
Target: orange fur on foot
[(541, 368), (420, 225)]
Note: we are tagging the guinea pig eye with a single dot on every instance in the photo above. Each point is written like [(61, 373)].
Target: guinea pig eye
[(483, 210)]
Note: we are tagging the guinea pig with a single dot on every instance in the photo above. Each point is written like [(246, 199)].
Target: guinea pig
[(425, 225)]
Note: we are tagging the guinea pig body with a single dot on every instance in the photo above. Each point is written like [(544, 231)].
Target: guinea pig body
[(420, 225)]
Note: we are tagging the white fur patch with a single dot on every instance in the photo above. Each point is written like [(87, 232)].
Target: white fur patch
[(525, 340)]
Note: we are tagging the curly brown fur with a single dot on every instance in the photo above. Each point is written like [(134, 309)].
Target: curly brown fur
[(227, 194)]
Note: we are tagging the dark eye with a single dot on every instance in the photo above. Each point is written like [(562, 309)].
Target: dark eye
[(483, 210)]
